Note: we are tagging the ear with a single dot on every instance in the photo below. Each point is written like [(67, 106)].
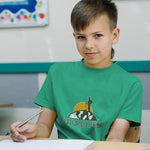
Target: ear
[(116, 33), (74, 34)]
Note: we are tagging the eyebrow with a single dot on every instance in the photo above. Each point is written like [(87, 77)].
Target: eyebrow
[(97, 32), (76, 33)]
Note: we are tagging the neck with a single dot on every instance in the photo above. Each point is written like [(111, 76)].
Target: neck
[(101, 65)]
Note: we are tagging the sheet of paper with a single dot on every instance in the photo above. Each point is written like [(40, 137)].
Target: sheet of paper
[(45, 144)]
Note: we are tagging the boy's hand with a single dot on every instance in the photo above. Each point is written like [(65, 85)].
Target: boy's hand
[(27, 131)]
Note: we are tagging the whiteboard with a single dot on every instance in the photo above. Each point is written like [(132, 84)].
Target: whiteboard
[(22, 13)]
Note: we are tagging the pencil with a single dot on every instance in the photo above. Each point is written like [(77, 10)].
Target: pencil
[(27, 120)]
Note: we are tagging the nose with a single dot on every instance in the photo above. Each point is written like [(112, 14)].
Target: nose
[(89, 43)]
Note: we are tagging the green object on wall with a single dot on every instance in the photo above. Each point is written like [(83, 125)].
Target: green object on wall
[(43, 67)]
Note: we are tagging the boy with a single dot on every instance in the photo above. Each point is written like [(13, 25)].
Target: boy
[(94, 98)]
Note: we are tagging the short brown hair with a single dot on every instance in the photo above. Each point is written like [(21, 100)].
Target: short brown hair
[(87, 10)]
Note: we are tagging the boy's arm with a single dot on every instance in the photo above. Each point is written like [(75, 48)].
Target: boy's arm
[(118, 130), (42, 129), (45, 122)]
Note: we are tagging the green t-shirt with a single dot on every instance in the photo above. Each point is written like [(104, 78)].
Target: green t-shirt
[(88, 100)]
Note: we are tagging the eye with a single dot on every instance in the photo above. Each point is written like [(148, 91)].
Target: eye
[(98, 35), (80, 37)]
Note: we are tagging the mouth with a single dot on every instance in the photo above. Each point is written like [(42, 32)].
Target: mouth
[(90, 54)]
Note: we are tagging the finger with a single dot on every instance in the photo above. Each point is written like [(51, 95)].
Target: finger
[(27, 130), (18, 137), (13, 126), (28, 127)]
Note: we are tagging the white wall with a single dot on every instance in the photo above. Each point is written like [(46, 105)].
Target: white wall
[(55, 41), (134, 22), (51, 43)]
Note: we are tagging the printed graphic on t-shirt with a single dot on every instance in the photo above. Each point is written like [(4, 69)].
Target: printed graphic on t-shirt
[(83, 111), (82, 116)]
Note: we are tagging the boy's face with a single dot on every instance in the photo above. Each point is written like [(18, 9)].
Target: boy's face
[(94, 43)]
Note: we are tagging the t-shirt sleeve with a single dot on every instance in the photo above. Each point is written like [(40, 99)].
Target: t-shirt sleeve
[(132, 107), (45, 96)]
